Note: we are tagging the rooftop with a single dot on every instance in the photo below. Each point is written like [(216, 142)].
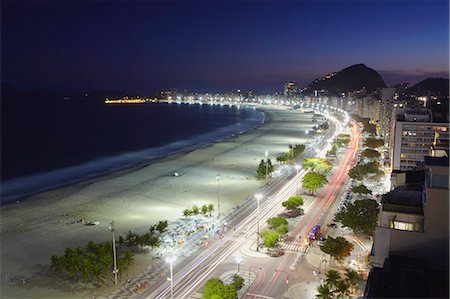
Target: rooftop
[(405, 199)]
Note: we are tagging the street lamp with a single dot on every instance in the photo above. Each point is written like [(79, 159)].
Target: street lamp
[(258, 197), (297, 167), (287, 278), (267, 164), (115, 270), (170, 260), (218, 197), (239, 262)]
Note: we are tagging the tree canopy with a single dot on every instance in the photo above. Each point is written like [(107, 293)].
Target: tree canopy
[(293, 202), (279, 224), (360, 171), (370, 153), (339, 247), (313, 181), (361, 189), (215, 288), (92, 263), (341, 140), (319, 165), (270, 237), (374, 142), (360, 216), (265, 167)]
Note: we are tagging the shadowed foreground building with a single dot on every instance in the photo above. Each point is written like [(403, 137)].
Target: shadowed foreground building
[(410, 254)]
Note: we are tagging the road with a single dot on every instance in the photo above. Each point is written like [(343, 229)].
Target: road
[(274, 285), (191, 276)]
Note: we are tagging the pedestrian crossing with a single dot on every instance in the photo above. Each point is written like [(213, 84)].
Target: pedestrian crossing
[(292, 247)]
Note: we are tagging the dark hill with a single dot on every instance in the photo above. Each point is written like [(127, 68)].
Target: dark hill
[(431, 86), (355, 77)]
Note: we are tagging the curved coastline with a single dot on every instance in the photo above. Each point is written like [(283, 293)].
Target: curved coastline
[(21, 188), (48, 222)]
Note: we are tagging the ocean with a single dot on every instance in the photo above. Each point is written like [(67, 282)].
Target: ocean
[(49, 145)]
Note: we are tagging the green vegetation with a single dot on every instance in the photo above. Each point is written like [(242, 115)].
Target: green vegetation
[(360, 216), (338, 248), (370, 153), (215, 288), (238, 282), (319, 165), (368, 128), (341, 140), (264, 168), (360, 171), (336, 287), (293, 202), (205, 209), (210, 209), (147, 239), (361, 189), (373, 142), (332, 151), (92, 264), (279, 224), (270, 238), (313, 181), (292, 154)]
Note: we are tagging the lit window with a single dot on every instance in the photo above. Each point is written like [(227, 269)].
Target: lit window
[(403, 155), (402, 225)]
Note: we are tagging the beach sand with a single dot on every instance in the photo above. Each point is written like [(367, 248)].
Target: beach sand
[(43, 225)]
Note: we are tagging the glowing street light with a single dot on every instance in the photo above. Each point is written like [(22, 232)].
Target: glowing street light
[(258, 197), (115, 270), (170, 260)]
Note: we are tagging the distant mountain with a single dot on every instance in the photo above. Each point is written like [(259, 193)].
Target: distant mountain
[(430, 86), (355, 77)]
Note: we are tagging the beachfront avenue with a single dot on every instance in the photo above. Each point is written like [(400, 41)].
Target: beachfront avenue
[(264, 275)]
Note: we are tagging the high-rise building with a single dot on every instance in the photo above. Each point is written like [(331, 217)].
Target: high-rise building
[(413, 133), (290, 90), (413, 220)]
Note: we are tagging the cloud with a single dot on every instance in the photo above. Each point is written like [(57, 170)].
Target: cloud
[(412, 76)]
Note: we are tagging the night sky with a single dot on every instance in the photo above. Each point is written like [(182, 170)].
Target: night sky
[(204, 46)]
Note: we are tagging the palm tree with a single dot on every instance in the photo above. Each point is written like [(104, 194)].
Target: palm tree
[(332, 277), (187, 212), (204, 210), (352, 277), (342, 289), (210, 209), (324, 292), (195, 210), (161, 227)]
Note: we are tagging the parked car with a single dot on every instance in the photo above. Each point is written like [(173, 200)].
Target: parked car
[(321, 241), (332, 224)]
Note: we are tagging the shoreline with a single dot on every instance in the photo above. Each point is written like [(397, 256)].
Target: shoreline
[(131, 166), (37, 228)]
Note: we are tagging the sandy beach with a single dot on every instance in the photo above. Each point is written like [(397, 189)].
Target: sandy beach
[(46, 223)]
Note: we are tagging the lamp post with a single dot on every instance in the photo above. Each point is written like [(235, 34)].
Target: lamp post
[(170, 260), (297, 168), (287, 278), (267, 164), (239, 262), (258, 197), (115, 270), (218, 195)]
